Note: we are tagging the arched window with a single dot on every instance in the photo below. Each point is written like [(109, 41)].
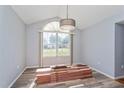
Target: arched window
[(56, 45), (53, 26)]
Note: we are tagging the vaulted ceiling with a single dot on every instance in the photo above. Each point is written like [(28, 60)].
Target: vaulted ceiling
[(85, 15)]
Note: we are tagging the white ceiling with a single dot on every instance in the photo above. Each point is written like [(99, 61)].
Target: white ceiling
[(85, 15)]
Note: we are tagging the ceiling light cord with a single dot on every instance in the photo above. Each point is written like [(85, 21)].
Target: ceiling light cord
[(67, 12)]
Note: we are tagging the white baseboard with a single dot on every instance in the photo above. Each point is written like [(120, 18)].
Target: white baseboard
[(102, 73), (21, 74), (32, 67), (16, 78), (119, 77)]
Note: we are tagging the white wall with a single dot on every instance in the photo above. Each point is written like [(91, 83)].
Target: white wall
[(33, 42), (98, 45), (12, 46), (77, 47)]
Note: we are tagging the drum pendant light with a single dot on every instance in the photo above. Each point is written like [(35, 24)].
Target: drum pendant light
[(67, 23)]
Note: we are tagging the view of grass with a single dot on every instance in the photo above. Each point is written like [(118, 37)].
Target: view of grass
[(52, 52)]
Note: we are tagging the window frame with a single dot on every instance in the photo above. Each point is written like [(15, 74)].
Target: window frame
[(57, 48)]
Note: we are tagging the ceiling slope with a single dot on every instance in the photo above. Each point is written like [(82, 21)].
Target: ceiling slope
[(85, 15)]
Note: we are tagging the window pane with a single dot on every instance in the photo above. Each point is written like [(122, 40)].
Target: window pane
[(63, 44), (49, 44)]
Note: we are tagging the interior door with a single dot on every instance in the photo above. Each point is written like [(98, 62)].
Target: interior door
[(56, 49)]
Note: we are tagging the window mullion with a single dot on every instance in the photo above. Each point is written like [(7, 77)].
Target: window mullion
[(56, 44)]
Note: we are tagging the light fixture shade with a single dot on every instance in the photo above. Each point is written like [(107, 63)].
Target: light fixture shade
[(67, 24)]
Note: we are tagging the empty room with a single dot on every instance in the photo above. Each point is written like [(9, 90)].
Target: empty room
[(61, 46)]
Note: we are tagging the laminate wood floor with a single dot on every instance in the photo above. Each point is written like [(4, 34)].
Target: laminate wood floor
[(26, 80)]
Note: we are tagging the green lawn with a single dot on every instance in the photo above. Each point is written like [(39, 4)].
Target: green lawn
[(52, 52)]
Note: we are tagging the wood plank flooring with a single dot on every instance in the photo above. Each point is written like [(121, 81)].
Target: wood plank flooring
[(26, 80)]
